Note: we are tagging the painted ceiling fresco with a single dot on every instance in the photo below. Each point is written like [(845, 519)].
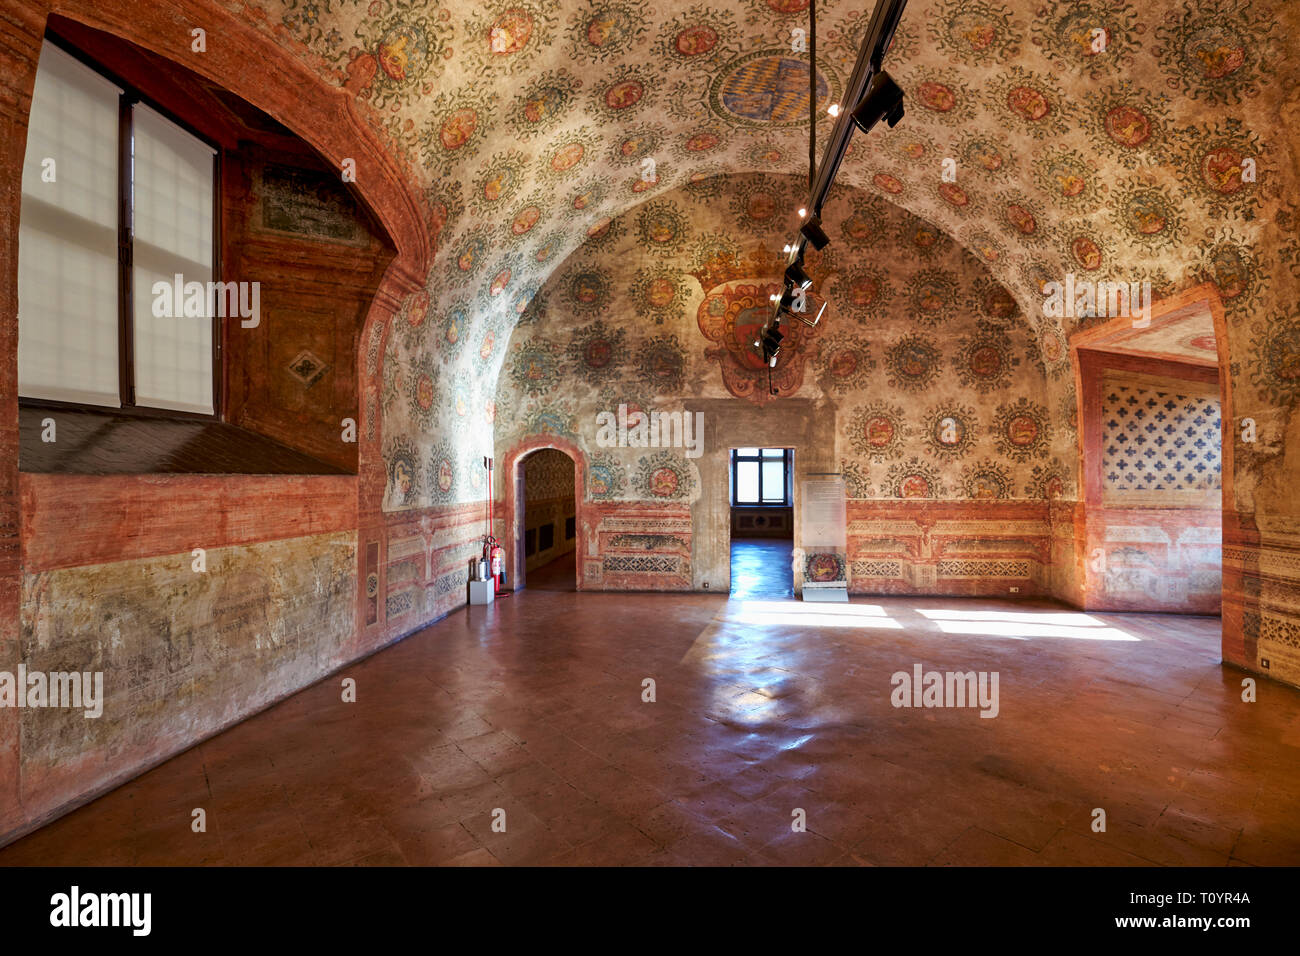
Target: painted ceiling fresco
[(934, 380), (1109, 139), (1186, 335)]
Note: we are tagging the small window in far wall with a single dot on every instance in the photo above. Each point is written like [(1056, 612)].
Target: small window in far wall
[(570, 529), (761, 476)]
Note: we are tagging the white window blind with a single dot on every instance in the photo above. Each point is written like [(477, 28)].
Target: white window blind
[(172, 189), (774, 481), (67, 237), (747, 482)]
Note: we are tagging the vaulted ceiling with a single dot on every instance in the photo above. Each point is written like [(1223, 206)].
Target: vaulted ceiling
[(1114, 140)]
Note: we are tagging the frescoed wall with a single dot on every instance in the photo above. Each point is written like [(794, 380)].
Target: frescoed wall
[(511, 147), (296, 229), (923, 362), (1106, 164)]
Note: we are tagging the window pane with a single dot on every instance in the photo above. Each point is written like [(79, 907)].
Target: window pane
[(747, 452), (172, 185), (773, 452), (67, 237), (774, 481), (747, 482)]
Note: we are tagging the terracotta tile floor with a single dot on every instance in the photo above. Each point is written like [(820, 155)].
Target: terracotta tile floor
[(760, 567), (534, 706), (558, 575)]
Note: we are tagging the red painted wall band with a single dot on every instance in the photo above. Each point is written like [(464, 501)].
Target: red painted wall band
[(75, 520)]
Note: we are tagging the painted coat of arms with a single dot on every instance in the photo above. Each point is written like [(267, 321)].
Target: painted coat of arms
[(731, 316)]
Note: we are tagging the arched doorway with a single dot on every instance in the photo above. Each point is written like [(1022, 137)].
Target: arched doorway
[(544, 528), (550, 522)]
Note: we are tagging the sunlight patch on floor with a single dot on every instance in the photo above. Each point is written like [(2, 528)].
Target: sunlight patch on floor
[(796, 614), (1024, 625), (1072, 618)]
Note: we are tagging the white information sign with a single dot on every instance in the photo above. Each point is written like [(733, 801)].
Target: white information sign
[(823, 514), (824, 538)]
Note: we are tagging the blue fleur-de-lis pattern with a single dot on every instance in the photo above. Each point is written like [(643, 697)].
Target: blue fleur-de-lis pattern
[(1155, 440)]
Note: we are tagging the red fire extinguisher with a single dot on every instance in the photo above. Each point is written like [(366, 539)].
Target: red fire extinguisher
[(495, 559), (498, 566)]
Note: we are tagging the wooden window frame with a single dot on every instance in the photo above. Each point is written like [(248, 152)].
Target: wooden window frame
[(786, 459), (129, 97)]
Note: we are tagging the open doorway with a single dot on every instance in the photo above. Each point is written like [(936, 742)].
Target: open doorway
[(1153, 413), (762, 522), (547, 524)]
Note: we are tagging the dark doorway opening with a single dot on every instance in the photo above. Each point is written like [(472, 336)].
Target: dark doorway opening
[(548, 529)]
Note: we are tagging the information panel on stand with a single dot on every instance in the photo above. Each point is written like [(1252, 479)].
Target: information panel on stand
[(824, 539)]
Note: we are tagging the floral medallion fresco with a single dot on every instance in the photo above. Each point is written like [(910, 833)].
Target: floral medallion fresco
[(605, 478), (913, 478), (950, 430), (1021, 430), (987, 479), (862, 356), (984, 361), (877, 431), (664, 475), (913, 362), (1104, 138), (845, 362)]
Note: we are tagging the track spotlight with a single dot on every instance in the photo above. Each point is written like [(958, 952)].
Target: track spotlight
[(882, 100), (869, 96), (813, 232), (770, 343), (782, 301), (795, 275)]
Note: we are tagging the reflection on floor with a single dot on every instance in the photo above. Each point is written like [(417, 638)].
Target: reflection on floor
[(760, 567), (533, 705), (557, 575)]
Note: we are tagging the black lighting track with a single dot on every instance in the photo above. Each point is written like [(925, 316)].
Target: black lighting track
[(870, 96)]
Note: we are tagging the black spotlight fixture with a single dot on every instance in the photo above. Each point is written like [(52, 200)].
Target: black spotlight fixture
[(795, 276), (784, 302), (883, 100), (812, 231), (770, 342)]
